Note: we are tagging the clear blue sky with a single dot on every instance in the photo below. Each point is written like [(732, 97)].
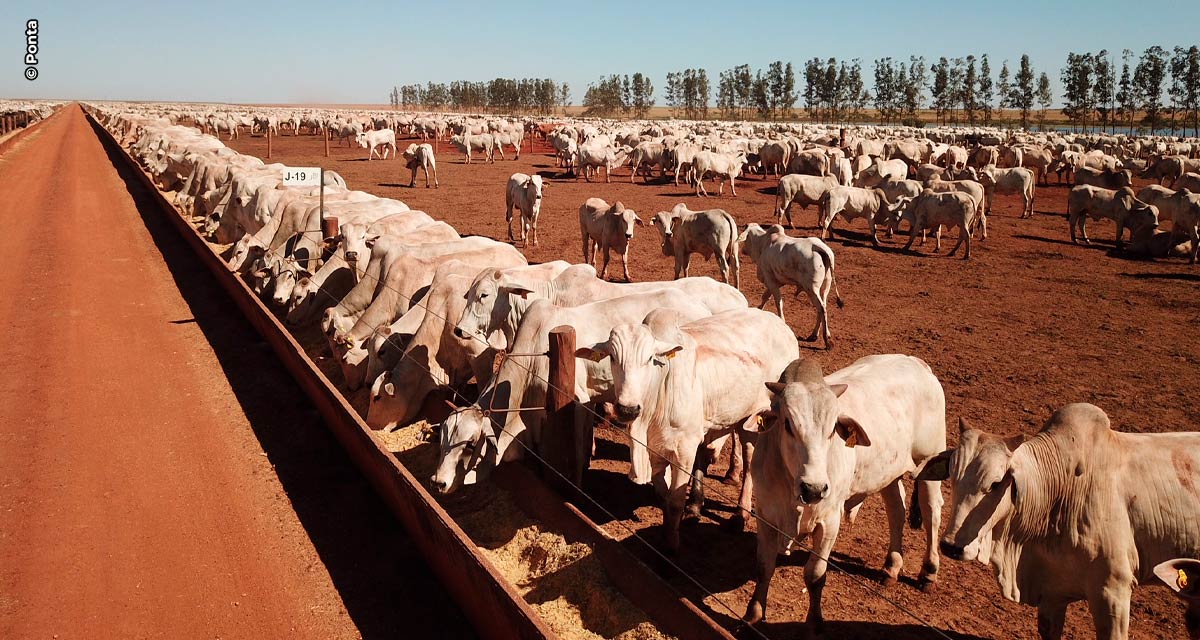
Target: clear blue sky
[(354, 52)]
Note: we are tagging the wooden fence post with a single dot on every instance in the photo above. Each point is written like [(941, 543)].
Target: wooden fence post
[(268, 142), (326, 142), (561, 437)]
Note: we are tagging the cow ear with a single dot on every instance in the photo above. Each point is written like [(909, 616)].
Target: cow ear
[(303, 273), (852, 432), (838, 389), (389, 388), (594, 353), (936, 468), (667, 350), (516, 290), (1014, 442), (762, 423), (370, 242), (638, 221), (963, 426)]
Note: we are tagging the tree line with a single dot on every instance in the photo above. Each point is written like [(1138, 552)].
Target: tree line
[(1162, 87), (1093, 94), (615, 94), (508, 95)]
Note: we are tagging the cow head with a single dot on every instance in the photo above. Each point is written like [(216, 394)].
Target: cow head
[(985, 487), (626, 219), (1138, 214), (485, 310), (637, 360), (397, 394), (465, 438), (665, 222), (533, 188), (805, 411)]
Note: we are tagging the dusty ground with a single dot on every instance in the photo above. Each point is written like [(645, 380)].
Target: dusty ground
[(1030, 323), (162, 476)]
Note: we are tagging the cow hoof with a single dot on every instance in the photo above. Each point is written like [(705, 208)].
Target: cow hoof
[(828, 345), (731, 479), (926, 585), (888, 580)]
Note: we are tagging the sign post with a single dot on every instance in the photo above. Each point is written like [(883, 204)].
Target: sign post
[(306, 177)]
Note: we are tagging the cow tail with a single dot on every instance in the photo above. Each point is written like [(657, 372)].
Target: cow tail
[(915, 520), (732, 258), (827, 258)]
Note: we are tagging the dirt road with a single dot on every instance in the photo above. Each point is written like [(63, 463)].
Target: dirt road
[(161, 475)]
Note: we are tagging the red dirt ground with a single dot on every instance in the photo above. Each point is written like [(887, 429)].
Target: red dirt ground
[(1029, 324), (162, 476)]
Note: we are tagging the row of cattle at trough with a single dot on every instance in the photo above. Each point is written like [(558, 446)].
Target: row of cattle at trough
[(415, 312)]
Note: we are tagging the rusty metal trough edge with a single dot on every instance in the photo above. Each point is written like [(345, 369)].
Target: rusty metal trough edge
[(465, 570)]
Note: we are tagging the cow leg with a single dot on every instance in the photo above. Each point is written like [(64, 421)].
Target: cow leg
[(937, 244), (930, 493), (734, 472), (769, 543), (1050, 619), (722, 266), (1109, 604), (823, 537), (746, 497), (508, 216), (912, 236), (625, 263), (818, 295), (1121, 234), (687, 266), (681, 477), (699, 469), (604, 268), (893, 504)]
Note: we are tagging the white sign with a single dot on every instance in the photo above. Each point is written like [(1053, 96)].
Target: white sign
[(302, 176)]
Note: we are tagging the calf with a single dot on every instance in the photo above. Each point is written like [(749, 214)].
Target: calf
[(372, 140), (722, 165), (607, 228), (525, 193), (466, 143), (420, 156), (802, 190), (1103, 178), (588, 158), (853, 202), (969, 187), (806, 263), (711, 233), (930, 210), (1120, 206), (1007, 181), (830, 442)]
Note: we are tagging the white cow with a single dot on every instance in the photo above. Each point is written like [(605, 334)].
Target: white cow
[(1078, 512), (723, 165), (829, 443), (607, 228), (710, 233), (806, 263), (525, 193), (372, 140), (420, 156), (693, 384)]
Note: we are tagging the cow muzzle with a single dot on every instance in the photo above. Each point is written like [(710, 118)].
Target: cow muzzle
[(627, 413), (629, 236), (811, 493), (952, 551)]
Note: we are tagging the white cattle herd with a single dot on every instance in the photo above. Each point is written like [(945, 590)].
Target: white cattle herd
[(410, 310)]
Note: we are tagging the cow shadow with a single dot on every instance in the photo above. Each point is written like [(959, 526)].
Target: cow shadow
[(768, 191), (1097, 245), (860, 629), (552, 175), (397, 185), (1186, 277)]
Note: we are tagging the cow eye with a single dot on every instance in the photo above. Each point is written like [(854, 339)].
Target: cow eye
[(995, 485), (482, 296)]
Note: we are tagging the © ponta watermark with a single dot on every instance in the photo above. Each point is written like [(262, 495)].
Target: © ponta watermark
[(31, 49)]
